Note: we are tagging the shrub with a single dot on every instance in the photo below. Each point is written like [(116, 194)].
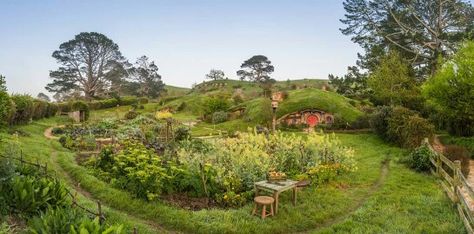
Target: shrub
[(127, 100), (379, 120), (215, 104), (57, 131), (407, 129), (52, 109), (24, 108), (182, 133), (454, 152), (401, 126), (64, 107), (143, 100), (81, 106), (40, 109), (219, 117), (419, 158), (131, 114), (181, 106), (7, 108)]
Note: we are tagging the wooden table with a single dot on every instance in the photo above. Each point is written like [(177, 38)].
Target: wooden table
[(276, 188)]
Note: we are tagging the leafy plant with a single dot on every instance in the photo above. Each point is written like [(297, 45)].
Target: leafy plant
[(419, 159)]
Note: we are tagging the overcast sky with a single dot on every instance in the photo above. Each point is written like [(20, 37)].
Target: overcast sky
[(186, 38)]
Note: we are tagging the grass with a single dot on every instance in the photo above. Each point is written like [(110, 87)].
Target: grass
[(366, 201), (318, 99)]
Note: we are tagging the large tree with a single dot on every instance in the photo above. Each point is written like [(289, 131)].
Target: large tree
[(392, 82), (145, 72), (88, 63), (451, 91), (421, 30), (215, 74), (353, 84), (258, 69)]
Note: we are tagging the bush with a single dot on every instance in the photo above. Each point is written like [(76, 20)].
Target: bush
[(52, 109), (40, 109), (379, 120), (181, 106), (215, 104), (131, 114), (7, 108), (454, 152), (219, 117), (81, 106), (64, 107), (401, 126), (24, 108), (143, 100), (127, 100), (419, 159), (59, 220)]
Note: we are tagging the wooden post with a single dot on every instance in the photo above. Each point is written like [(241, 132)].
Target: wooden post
[(135, 230), (457, 179), (99, 206), (74, 199), (21, 158), (439, 164), (46, 168)]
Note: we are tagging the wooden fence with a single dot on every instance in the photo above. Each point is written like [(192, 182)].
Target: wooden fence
[(455, 184)]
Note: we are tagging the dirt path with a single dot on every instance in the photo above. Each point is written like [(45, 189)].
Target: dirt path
[(384, 170)]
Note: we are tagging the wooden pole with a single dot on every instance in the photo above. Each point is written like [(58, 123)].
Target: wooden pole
[(99, 206), (457, 179), (135, 230)]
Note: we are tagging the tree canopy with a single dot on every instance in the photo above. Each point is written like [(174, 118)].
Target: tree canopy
[(145, 72), (88, 63), (215, 74), (421, 30), (258, 68), (451, 91), (353, 84), (392, 83)]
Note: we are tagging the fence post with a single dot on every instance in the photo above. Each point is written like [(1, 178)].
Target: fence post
[(135, 230), (457, 179), (99, 206), (438, 164)]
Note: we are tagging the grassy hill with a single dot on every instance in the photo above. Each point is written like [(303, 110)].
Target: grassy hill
[(302, 94), (322, 100), (173, 91)]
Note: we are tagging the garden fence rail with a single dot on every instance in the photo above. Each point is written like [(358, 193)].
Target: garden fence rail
[(455, 184)]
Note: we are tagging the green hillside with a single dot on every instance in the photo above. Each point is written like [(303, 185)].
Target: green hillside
[(318, 99), (172, 91), (302, 94)]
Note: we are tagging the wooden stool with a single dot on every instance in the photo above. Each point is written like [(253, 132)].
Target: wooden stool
[(302, 184), (264, 201)]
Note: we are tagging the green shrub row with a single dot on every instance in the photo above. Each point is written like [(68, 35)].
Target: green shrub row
[(19, 109), (105, 103), (401, 126)]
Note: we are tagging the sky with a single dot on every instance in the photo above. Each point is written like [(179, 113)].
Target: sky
[(185, 38)]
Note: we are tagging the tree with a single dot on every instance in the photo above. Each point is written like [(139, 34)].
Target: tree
[(421, 30), (87, 63), (353, 84), (258, 69), (145, 72), (392, 83), (451, 91), (44, 97), (215, 74), (7, 107)]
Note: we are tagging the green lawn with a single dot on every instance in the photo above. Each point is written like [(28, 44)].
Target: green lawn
[(374, 199)]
